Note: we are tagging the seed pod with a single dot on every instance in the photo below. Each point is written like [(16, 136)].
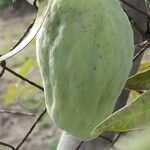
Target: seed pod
[(85, 51)]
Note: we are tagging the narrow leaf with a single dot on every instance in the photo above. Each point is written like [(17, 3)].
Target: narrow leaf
[(136, 115), (140, 81), (44, 7)]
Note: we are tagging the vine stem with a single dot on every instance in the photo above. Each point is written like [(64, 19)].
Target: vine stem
[(79, 146), (17, 113), (31, 129), (142, 50), (24, 35), (7, 145), (19, 76)]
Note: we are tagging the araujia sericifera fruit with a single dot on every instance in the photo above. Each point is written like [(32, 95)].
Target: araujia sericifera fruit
[(84, 50)]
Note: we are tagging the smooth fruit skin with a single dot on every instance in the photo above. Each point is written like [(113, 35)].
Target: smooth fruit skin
[(84, 50)]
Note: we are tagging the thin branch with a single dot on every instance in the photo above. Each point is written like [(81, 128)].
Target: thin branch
[(114, 142), (2, 72), (27, 135), (106, 138), (119, 135), (34, 4), (79, 146), (142, 50), (21, 77), (136, 9), (31, 129), (24, 35), (7, 145), (3, 63), (17, 113)]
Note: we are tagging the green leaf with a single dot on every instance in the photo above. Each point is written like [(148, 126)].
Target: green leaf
[(136, 115), (144, 66), (44, 6), (4, 3), (26, 67), (135, 94), (140, 81)]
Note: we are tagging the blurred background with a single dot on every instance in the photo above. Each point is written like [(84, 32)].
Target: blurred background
[(17, 95)]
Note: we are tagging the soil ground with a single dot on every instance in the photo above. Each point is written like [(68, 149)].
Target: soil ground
[(12, 127)]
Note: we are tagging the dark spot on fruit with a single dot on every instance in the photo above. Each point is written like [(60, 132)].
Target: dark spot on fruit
[(98, 46), (82, 83), (80, 13)]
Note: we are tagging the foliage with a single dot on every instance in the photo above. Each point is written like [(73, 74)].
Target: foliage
[(5, 3), (139, 81), (133, 116), (144, 66)]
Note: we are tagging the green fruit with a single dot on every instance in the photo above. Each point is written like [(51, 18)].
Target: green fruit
[(84, 50)]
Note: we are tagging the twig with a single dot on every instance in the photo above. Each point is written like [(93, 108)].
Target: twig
[(113, 144), (2, 72), (79, 146), (106, 138), (17, 113), (27, 135), (7, 145), (31, 129), (117, 138), (3, 63), (136, 9), (34, 4), (24, 35), (21, 77), (142, 50)]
